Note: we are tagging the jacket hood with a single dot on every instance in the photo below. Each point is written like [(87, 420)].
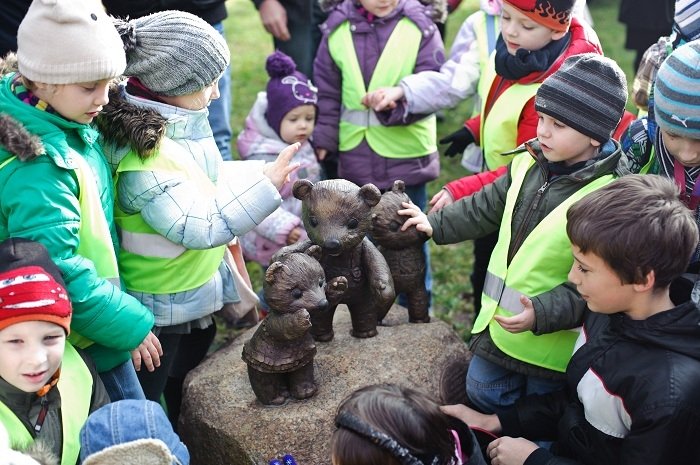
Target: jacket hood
[(677, 330), (13, 136), (123, 124)]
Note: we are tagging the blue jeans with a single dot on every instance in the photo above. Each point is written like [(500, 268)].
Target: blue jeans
[(492, 388), (220, 110), (419, 195), (121, 382)]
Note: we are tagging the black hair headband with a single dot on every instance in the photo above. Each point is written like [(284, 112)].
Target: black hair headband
[(351, 422)]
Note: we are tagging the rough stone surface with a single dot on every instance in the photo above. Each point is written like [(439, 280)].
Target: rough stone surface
[(222, 423)]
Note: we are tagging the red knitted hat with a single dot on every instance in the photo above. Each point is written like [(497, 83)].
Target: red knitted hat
[(554, 14), (31, 287)]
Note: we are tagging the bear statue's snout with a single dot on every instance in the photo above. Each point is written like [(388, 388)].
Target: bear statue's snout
[(321, 305), (332, 246)]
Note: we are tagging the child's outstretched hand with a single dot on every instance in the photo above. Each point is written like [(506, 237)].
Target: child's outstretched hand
[(521, 322), (417, 218), (279, 170), (440, 200), (383, 99)]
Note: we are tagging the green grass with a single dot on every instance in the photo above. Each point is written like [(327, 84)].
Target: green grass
[(250, 45)]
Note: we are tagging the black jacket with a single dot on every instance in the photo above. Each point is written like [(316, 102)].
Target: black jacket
[(211, 11), (633, 395)]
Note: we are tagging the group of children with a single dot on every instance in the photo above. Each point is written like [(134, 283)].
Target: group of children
[(571, 237)]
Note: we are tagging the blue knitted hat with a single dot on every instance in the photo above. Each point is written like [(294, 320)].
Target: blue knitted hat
[(677, 92)]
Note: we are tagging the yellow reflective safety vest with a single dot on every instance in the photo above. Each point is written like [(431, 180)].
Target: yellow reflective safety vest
[(148, 261), (538, 266), (398, 59), (75, 388), (95, 239), (499, 129), (486, 31)]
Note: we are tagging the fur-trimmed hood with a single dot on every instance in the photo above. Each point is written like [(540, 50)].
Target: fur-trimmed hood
[(124, 124), (13, 136), (437, 9)]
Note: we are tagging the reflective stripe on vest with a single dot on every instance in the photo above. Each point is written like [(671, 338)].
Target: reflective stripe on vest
[(537, 267), (75, 388), (499, 128), (148, 261), (94, 237), (398, 59)]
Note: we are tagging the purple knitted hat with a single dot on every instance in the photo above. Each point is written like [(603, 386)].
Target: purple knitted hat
[(286, 89)]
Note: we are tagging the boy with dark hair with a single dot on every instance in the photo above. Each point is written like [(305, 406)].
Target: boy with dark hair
[(633, 381)]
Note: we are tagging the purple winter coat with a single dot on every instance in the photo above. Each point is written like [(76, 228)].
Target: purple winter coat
[(362, 165)]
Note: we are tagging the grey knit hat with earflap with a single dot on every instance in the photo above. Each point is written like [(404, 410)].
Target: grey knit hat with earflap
[(173, 53)]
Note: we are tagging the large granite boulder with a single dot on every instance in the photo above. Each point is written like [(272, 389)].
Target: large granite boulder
[(222, 423)]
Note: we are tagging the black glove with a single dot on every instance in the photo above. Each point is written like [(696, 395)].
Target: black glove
[(459, 140)]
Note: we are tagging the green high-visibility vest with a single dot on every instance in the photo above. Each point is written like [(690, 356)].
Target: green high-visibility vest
[(486, 31), (398, 59), (75, 388), (540, 264), (499, 129), (94, 235), (148, 261)]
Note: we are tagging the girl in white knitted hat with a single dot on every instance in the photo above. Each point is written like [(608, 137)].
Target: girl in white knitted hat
[(178, 204), (56, 187)]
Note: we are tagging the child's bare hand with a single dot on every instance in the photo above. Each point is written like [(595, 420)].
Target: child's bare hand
[(294, 236), (471, 417), (521, 322), (510, 451), (383, 99), (147, 353), (417, 218), (321, 154), (440, 200), (279, 170)]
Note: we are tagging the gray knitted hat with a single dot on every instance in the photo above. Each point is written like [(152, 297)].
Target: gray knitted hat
[(677, 92), (173, 53), (588, 93)]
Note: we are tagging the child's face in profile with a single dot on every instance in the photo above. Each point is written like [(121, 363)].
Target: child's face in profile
[(298, 124), (560, 142), (379, 8), (197, 100), (683, 149), (75, 102), (30, 353), (519, 31), (598, 284)]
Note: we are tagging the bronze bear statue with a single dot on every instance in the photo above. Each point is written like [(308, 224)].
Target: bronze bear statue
[(281, 352), (403, 251), (337, 217)]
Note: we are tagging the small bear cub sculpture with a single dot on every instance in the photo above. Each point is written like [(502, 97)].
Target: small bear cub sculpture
[(281, 352), (403, 251), (337, 217)]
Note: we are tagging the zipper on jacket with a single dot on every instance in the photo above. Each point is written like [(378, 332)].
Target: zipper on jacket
[(520, 236), (42, 415)]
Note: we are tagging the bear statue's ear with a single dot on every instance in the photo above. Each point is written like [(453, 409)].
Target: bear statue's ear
[(302, 188), (399, 186), (315, 252), (272, 271), (370, 194)]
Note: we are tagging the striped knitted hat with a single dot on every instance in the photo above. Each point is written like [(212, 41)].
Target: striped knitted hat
[(677, 92), (31, 286), (687, 19), (554, 14), (588, 93)]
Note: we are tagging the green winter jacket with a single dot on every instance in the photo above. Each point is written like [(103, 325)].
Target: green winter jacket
[(39, 201), (480, 214)]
